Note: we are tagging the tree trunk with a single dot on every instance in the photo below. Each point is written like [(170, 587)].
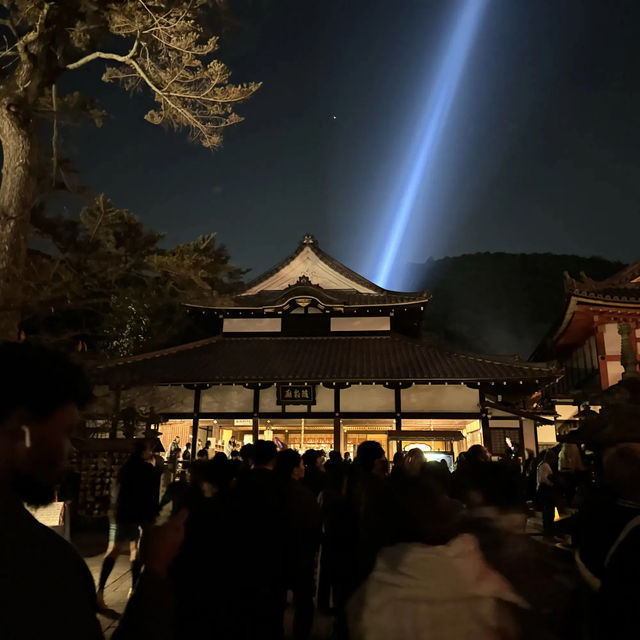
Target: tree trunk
[(17, 193)]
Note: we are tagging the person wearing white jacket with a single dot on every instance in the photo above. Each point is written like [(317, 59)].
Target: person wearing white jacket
[(421, 592)]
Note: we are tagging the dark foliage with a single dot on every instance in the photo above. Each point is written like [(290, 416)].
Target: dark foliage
[(101, 283), (500, 302)]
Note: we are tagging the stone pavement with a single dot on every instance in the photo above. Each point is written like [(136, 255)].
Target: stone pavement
[(92, 546)]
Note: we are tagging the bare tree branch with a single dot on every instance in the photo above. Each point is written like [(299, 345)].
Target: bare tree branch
[(54, 136), (103, 55)]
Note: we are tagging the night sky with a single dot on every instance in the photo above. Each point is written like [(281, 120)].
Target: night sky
[(541, 151)]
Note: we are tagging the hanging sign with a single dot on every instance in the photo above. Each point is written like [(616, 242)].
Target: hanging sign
[(296, 394)]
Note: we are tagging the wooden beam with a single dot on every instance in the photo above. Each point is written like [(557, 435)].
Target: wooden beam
[(435, 436), (320, 415)]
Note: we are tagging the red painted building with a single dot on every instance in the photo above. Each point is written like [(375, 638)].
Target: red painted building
[(587, 339)]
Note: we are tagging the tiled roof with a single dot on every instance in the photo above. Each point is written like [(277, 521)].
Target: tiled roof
[(612, 294), (314, 359), (618, 288)]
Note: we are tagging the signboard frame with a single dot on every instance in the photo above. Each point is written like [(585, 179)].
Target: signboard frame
[(288, 394)]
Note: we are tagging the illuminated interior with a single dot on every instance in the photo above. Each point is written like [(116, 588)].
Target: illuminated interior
[(318, 433)]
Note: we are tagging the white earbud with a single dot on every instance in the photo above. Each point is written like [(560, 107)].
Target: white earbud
[(27, 436)]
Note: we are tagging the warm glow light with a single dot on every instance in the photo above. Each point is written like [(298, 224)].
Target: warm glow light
[(430, 128)]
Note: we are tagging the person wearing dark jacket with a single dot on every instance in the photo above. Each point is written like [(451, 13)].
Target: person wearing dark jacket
[(47, 589), (609, 552), (257, 524), (134, 504), (176, 493), (206, 597), (314, 475), (203, 454), (302, 531), (470, 464), (358, 527), (330, 508), (186, 455)]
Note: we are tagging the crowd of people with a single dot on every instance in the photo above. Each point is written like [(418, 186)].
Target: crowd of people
[(404, 551)]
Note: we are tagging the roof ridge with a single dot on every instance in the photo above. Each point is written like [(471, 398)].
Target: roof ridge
[(160, 352), (498, 359), (630, 271), (481, 357), (275, 268), (346, 271), (621, 278)]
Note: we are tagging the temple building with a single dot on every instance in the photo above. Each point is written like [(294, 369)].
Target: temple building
[(599, 317), (313, 355)]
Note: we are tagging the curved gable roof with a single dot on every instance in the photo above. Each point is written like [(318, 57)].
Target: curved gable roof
[(309, 261), (310, 272), (621, 290)]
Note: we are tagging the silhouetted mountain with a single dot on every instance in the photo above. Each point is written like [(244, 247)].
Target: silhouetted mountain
[(499, 302)]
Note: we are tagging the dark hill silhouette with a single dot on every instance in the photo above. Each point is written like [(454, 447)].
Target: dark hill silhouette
[(499, 302)]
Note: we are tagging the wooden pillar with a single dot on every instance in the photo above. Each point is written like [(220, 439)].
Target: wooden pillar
[(255, 425), (602, 356), (117, 394), (196, 422), (523, 453), (484, 421), (337, 435), (338, 432), (398, 411)]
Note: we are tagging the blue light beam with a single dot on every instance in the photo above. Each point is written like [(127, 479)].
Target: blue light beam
[(430, 128)]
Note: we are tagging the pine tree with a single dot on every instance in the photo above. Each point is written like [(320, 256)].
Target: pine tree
[(103, 282), (160, 46)]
